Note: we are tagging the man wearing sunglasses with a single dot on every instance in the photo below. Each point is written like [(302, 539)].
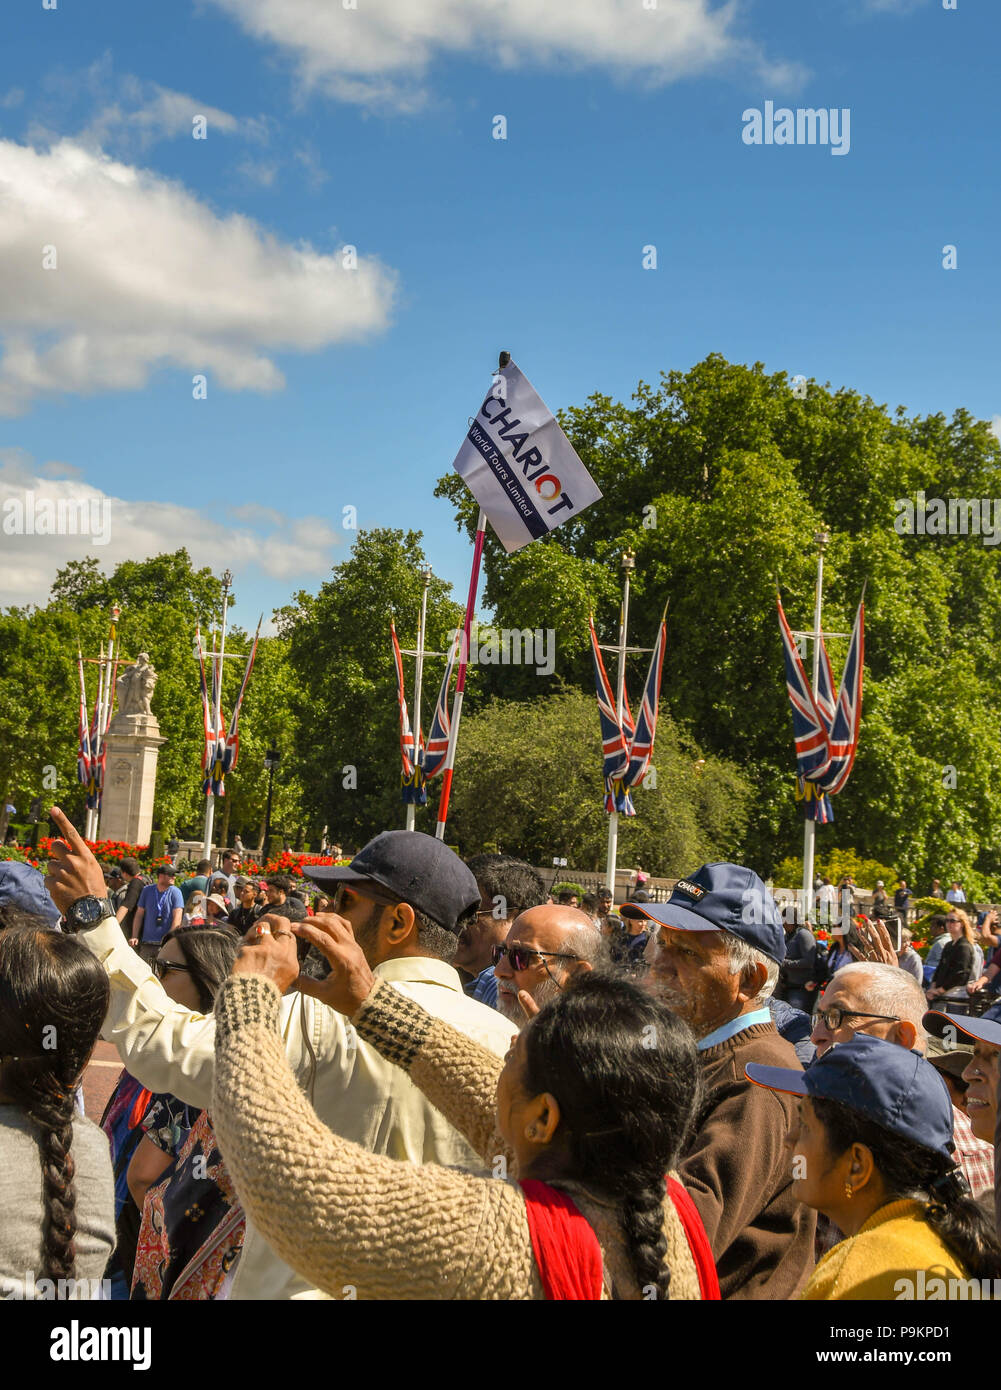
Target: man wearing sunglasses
[(406, 896), (545, 948)]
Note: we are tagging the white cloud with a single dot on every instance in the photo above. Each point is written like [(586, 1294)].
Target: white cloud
[(379, 52), (248, 539), (148, 276), (996, 425)]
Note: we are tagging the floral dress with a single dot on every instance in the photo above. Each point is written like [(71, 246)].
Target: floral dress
[(193, 1226)]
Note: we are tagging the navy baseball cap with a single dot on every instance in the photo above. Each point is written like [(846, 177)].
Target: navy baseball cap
[(415, 868), (721, 897), (986, 1028), (23, 886), (898, 1090)]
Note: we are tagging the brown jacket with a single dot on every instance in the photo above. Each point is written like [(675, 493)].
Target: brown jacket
[(738, 1170)]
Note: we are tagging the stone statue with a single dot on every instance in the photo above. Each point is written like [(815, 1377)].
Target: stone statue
[(135, 687)]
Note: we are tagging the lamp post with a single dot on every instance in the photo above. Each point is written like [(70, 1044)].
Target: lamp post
[(271, 760)]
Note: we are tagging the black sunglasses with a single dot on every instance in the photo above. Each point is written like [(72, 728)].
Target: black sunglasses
[(161, 967), (520, 957)]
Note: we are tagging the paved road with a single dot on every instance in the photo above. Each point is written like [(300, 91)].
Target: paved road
[(99, 1079)]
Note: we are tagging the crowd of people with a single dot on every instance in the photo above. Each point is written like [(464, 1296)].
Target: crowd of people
[(417, 1077)]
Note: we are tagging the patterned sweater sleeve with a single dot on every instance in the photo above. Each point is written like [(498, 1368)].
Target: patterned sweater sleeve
[(458, 1075), (355, 1224)]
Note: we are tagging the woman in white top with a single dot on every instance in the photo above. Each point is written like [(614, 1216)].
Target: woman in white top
[(56, 1184)]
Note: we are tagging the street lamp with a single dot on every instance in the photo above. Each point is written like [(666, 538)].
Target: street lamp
[(271, 760)]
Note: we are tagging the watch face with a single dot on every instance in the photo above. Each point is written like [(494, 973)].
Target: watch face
[(88, 910)]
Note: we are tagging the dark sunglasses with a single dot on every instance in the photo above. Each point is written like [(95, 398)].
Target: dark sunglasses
[(161, 967), (520, 957)]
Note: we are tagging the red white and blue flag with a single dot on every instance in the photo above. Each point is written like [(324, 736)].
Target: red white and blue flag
[(825, 726), (432, 756), (232, 751), (412, 779), (626, 747), (84, 770)]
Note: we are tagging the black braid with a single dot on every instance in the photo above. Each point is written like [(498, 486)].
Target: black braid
[(912, 1171), (625, 1072), (53, 999), (54, 1116)]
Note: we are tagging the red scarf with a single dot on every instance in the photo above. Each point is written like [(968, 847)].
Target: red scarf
[(567, 1253)]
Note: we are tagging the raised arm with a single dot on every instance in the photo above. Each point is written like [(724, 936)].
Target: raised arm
[(458, 1076), (353, 1223)]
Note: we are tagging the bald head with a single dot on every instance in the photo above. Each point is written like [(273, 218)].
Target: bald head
[(545, 947)]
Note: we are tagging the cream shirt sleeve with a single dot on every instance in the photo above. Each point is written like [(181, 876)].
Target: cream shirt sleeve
[(166, 1047)]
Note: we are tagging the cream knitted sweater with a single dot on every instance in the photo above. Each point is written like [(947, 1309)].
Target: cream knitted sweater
[(359, 1225)]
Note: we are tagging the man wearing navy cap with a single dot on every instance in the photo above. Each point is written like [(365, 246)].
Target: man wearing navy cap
[(982, 1076), (405, 896), (714, 959)]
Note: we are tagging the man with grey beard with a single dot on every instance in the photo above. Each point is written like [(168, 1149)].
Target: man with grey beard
[(714, 957), (545, 948)]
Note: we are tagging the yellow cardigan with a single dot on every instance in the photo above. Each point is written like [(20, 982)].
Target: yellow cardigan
[(895, 1255)]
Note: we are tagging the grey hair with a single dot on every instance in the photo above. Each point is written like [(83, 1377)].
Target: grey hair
[(742, 957), (890, 990), (588, 944)]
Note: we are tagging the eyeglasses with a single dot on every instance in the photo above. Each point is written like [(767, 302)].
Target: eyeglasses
[(833, 1018), (950, 920), (520, 957), (161, 967)]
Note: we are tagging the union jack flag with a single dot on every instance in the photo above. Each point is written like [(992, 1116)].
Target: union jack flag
[(810, 729), (641, 742), (614, 747), (414, 792), (214, 751), (844, 728), (826, 728), (431, 757), (232, 751)]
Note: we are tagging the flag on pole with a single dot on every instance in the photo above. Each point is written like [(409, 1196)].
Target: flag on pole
[(614, 745), (825, 726), (214, 752), (810, 730), (520, 466), (844, 728), (412, 779), (434, 753), (83, 756), (627, 747), (232, 751), (641, 742)]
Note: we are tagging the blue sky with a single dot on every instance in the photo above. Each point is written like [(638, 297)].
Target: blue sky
[(322, 394)]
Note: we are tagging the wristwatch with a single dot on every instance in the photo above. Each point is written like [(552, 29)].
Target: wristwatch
[(87, 912)]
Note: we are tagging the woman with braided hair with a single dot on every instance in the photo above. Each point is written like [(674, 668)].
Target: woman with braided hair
[(874, 1153), (56, 1186), (589, 1112)]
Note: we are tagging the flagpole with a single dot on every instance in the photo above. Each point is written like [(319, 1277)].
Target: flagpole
[(426, 573), (109, 695), (460, 683), (810, 826), (628, 565), (227, 580)]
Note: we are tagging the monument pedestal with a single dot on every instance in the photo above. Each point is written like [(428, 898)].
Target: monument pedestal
[(133, 743)]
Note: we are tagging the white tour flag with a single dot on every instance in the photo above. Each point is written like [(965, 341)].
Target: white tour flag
[(520, 466)]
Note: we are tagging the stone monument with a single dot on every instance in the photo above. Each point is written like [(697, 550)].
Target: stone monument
[(133, 746)]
